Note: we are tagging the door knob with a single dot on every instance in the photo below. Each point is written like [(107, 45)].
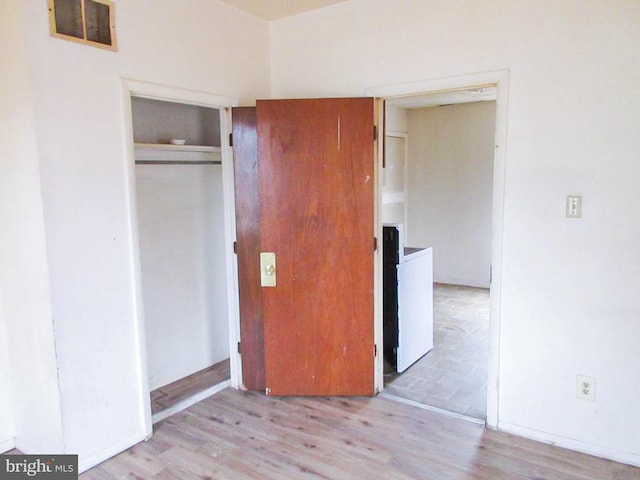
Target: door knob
[(267, 269)]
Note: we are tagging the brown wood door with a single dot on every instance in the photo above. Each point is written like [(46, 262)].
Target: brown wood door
[(245, 166), (316, 164)]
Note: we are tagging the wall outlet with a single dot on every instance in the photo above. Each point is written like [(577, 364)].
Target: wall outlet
[(586, 387)]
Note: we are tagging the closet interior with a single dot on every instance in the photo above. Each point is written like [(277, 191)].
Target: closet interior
[(180, 210)]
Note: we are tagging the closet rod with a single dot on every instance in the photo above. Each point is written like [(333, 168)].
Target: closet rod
[(178, 162)]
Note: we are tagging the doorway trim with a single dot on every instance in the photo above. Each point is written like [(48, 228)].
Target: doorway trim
[(499, 78), (137, 88)]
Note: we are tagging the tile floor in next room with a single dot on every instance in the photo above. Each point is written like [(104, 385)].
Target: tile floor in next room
[(453, 376)]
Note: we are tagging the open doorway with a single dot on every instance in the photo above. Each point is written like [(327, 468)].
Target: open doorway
[(446, 203), (181, 228)]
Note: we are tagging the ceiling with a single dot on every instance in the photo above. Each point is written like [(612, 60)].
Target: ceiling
[(276, 9)]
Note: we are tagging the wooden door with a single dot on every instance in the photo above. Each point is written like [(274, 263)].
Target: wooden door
[(245, 166), (316, 175)]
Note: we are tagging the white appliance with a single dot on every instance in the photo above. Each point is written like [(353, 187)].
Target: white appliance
[(407, 300)]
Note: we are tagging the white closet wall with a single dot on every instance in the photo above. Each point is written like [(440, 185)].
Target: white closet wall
[(180, 220)]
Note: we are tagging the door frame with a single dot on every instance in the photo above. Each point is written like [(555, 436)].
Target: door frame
[(499, 78), (137, 88)]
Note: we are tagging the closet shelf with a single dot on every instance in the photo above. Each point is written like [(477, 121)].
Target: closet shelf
[(177, 148)]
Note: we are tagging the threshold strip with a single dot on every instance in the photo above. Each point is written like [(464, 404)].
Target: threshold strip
[(460, 416)]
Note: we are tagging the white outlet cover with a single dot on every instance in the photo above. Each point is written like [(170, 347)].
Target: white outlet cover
[(586, 387), (574, 206)]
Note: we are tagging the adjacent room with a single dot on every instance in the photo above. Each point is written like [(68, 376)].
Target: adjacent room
[(439, 187)]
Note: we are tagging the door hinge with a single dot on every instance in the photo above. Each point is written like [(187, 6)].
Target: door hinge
[(239, 348), (375, 244), (235, 247), (375, 132), (231, 139), (375, 350)]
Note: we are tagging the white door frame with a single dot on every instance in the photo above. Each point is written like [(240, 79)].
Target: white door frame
[(500, 78), (136, 88)]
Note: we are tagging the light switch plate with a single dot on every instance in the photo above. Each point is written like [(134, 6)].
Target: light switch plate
[(574, 206)]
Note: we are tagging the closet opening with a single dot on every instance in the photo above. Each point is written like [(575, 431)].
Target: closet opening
[(181, 227)]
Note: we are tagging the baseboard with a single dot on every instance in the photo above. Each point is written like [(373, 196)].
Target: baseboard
[(188, 402), (7, 445), (571, 444), (85, 463), (463, 282)]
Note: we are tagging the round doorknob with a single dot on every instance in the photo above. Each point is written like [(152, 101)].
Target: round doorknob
[(269, 269)]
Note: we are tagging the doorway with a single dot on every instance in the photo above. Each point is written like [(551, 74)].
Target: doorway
[(448, 207), (415, 96), (179, 191)]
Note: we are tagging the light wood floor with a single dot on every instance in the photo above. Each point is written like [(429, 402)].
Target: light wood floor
[(169, 395), (243, 435), (452, 376)]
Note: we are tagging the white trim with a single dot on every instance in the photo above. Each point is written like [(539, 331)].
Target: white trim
[(190, 401), (167, 93), (85, 463), (437, 84), (572, 444), (500, 78), (229, 203), (378, 338), (7, 445), (422, 406), (136, 270), (177, 148)]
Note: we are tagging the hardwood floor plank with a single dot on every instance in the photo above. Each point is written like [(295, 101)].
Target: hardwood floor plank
[(247, 435)]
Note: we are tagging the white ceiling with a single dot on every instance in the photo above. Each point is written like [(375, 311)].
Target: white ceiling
[(467, 95), (276, 9)]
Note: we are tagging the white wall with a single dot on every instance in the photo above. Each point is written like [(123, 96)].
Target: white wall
[(26, 317), (7, 424), (181, 224), (450, 189), (396, 119), (570, 302), (80, 126)]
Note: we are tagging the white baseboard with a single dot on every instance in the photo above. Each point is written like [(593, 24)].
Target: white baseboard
[(6, 445), (189, 401), (571, 444), (88, 462)]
